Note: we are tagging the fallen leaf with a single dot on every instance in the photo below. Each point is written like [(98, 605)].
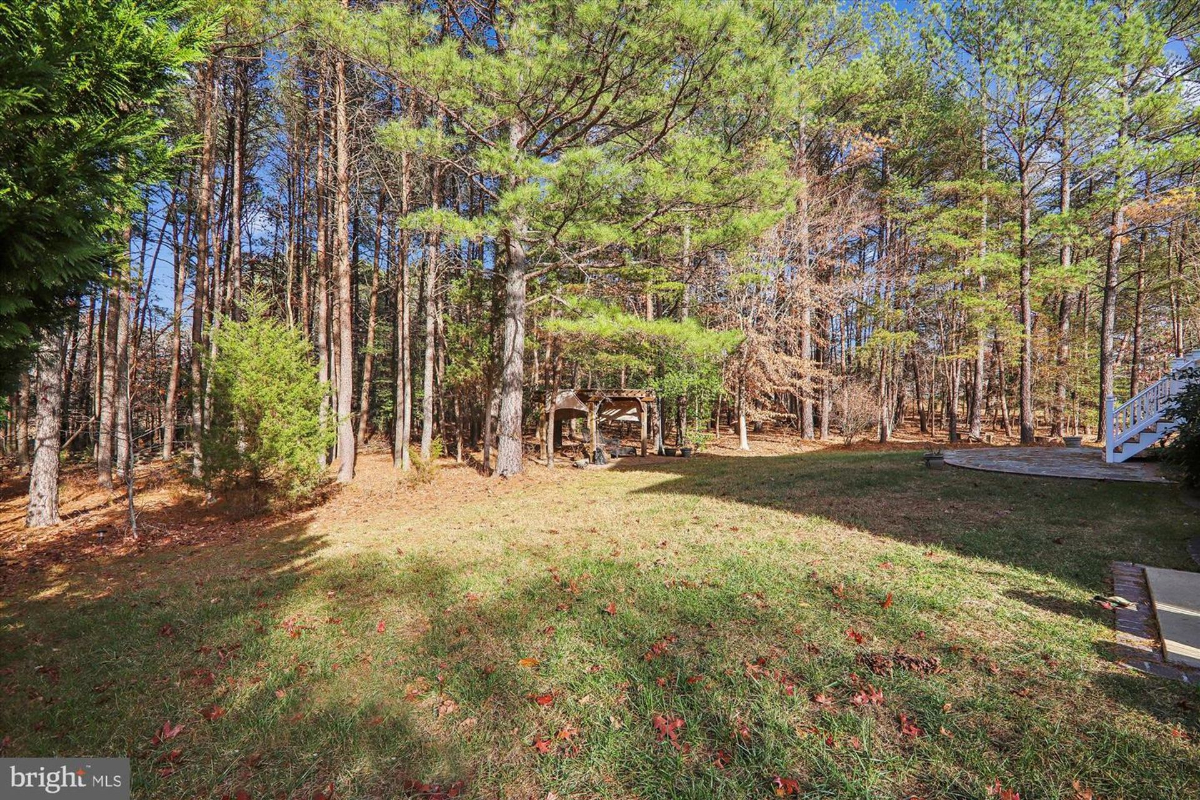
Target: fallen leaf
[(998, 790), (167, 732), (907, 728), (611, 609), (667, 729), (887, 601), (854, 636), (823, 699), (785, 786), (868, 697), (381, 626), (211, 713), (528, 662), (541, 745), (543, 699)]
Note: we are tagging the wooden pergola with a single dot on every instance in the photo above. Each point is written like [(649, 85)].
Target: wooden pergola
[(604, 405)]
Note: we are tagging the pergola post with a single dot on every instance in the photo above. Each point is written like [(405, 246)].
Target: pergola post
[(592, 408), (642, 421)]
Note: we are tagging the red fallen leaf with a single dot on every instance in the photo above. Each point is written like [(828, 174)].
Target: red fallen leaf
[(381, 626), (324, 794), (541, 745), (942, 730), (611, 609), (997, 790), (166, 630), (594, 668), (1082, 792), (741, 731), (281, 693), (167, 732), (839, 591), (667, 729), (297, 717), (822, 699), (785, 786), (887, 601), (172, 756), (868, 697), (374, 722), (542, 699), (549, 630), (907, 728), (568, 732), (854, 636), (855, 742), (721, 759), (166, 772), (695, 679), (253, 760), (212, 713), (829, 742), (886, 565)]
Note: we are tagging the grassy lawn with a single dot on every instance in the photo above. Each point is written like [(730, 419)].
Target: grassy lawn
[(846, 622)]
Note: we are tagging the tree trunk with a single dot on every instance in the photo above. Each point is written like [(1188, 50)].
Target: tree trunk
[(233, 284), (429, 291), (403, 420), (23, 403), (364, 398), (172, 399), (322, 258), (509, 452), (341, 246), (1112, 266), (1063, 354), (207, 102), (108, 389), (43, 475), (123, 444), (1026, 257)]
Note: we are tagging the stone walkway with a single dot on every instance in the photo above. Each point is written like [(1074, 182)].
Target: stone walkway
[(1138, 645), (1054, 462)]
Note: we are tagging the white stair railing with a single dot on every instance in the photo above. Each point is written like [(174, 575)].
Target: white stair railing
[(1143, 412)]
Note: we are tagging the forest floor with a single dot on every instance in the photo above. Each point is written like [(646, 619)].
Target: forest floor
[(836, 623)]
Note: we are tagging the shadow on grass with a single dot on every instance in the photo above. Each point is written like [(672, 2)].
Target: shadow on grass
[(291, 667), (1070, 530)]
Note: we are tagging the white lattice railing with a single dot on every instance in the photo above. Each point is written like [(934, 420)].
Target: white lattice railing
[(1141, 413)]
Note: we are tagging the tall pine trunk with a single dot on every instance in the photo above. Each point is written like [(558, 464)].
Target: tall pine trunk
[(364, 397), (43, 474), (512, 374), (345, 350), (1026, 257), (403, 434)]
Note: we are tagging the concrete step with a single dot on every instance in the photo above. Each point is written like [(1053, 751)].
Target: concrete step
[(1176, 598)]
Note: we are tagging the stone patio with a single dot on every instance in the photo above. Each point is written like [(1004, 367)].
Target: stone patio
[(1054, 462)]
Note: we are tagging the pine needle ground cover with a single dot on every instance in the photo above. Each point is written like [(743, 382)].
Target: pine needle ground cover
[(832, 624)]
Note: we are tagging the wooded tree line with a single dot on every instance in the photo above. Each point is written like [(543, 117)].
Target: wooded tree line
[(980, 215)]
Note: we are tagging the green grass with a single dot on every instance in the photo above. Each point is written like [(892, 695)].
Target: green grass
[(383, 643)]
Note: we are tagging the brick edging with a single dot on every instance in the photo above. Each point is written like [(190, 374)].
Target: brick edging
[(1138, 641)]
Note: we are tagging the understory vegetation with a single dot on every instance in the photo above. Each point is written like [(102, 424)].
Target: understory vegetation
[(836, 624)]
